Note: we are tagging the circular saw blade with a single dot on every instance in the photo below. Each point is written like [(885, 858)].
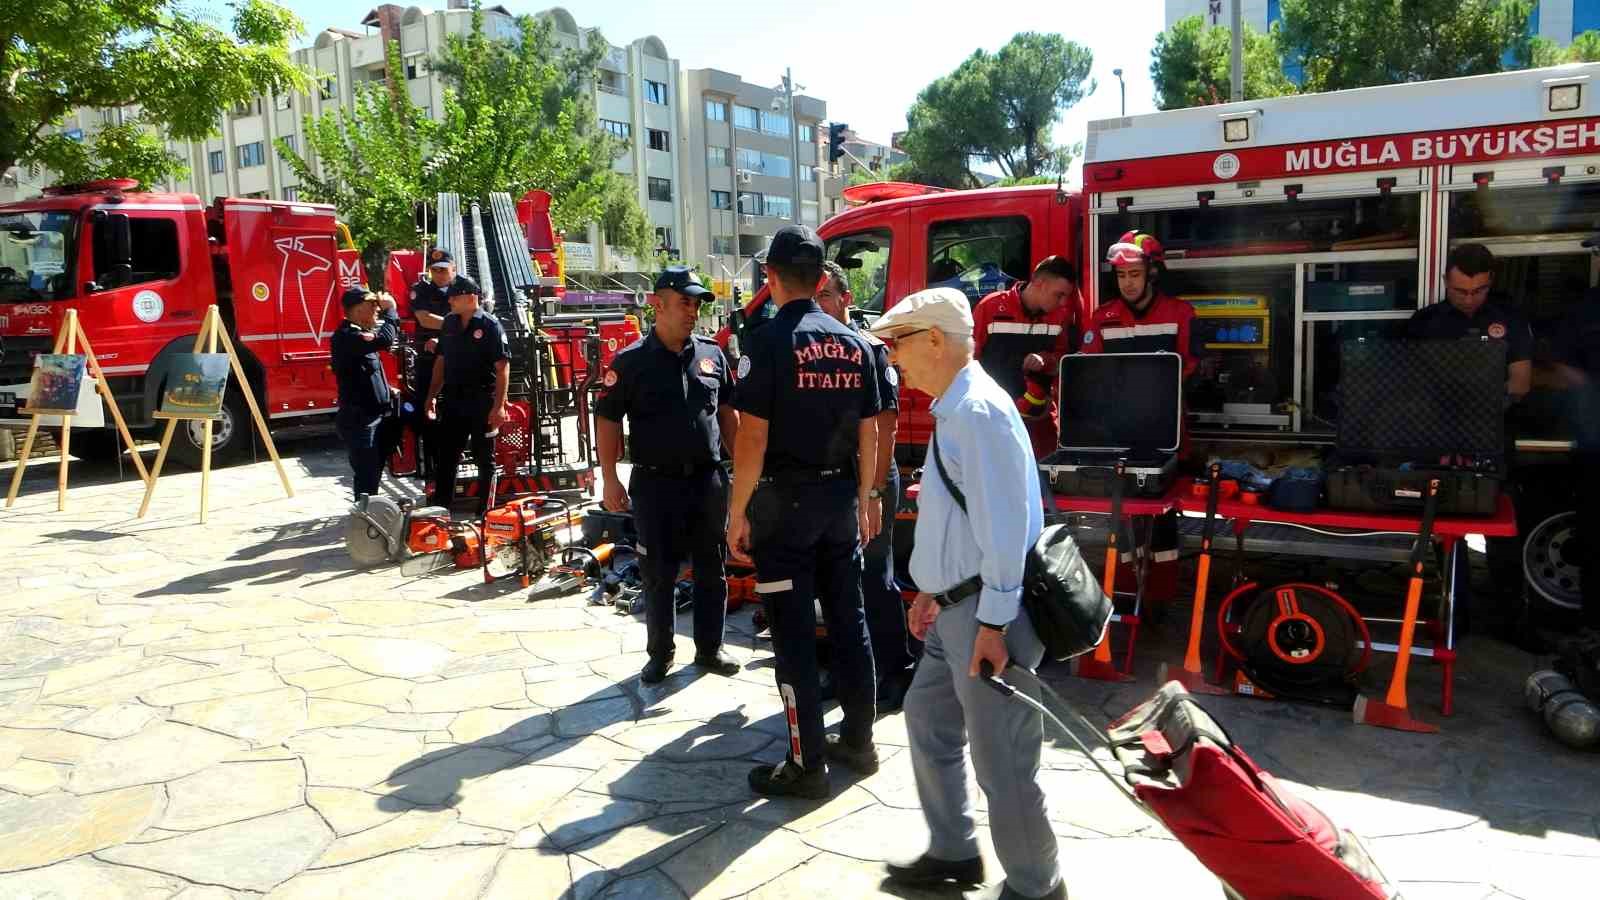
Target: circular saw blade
[(367, 531)]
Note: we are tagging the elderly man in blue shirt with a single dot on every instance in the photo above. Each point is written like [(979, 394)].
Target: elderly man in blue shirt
[(972, 563)]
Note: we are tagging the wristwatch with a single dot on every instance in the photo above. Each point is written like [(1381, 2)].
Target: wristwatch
[(875, 494), (999, 628)]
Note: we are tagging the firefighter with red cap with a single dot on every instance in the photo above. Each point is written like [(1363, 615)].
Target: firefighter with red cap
[(1142, 319), (1019, 336)]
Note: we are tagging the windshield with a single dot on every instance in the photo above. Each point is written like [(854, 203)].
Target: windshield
[(34, 251), (865, 259)]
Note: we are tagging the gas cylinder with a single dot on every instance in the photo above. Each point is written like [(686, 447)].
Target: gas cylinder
[(1571, 717)]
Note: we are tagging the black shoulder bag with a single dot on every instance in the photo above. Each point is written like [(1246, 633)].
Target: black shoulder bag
[(1068, 608)]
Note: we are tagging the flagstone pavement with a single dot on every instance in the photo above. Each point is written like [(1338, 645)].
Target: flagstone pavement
[(231, 710)]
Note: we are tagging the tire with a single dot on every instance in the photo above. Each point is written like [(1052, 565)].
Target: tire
[(96, 445), (231, 434)]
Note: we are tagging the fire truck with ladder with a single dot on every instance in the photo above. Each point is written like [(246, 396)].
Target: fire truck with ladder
[(141, 269), (1292, 224)]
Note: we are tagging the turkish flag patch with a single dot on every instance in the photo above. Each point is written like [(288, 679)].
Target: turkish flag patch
[(707, 366), (611, 378)]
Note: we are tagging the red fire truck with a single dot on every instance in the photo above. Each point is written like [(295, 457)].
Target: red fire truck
[(1293, 224), (141, 269)]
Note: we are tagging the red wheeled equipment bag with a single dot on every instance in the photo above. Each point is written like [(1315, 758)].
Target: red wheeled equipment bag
[(1262, 842)]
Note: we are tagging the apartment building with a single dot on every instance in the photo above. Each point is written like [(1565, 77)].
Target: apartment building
[(642, 95), (746, 160)]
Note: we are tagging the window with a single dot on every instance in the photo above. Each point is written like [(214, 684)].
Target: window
[(808, 212), (610, 82), (659, 140), (808, 134), (248, 108), (154, 257), (109, 116), (621, 130), (979, 256), (252, 154), (764, 163), (781, 207), (746, 117), (292, 142), (660, 189), (664, 238), (416, 67), (218, 162), (280, 101), (291, 194), (655, 92), (750, 203), (328, 88), (716, 111), (721, 200), (717, 157), (865, 258), (773, 123), (722, 244), (808, 173)]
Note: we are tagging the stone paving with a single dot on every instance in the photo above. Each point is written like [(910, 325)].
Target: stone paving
[(229, 710)]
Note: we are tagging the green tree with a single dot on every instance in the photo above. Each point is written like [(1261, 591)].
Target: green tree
[(1584, 48), (998, 108), (517, 115), (180, 67), (374, 166), (1359, 43), (1191, 65)]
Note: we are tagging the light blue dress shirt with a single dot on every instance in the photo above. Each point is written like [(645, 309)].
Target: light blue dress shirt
[(989, 456)]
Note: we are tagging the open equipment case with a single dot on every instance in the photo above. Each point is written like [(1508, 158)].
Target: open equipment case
[(1447, 424), (1117, 406)]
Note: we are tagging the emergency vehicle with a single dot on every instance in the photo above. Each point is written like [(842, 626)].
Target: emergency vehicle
[(1292, 224), (141, 269)]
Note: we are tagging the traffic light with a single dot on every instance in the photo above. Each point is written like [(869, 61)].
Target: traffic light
[(836, 132)]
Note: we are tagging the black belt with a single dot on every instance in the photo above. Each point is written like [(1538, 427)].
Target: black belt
[(807, 476), (684, 471), (958, 594)]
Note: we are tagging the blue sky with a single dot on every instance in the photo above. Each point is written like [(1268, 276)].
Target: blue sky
[(867, 59)]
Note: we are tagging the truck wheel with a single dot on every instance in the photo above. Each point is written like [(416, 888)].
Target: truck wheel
[(230, 434), (96, 445)]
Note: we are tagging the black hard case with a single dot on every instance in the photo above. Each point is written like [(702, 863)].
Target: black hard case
[(1404, 407), (1118, 406)]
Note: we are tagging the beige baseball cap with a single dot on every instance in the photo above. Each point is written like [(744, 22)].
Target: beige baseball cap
[(943, 308)]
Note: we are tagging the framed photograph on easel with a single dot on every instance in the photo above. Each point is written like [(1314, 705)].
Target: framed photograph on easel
[(195, 387), (57, 380)]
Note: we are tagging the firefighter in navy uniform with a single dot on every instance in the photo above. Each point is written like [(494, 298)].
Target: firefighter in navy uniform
[(1577, 352), (880, 593), (369, 329), (1020, 335), (430, 306), (467, 392), (1468, 313), (1142, 319), (804, 464), (674, 388)]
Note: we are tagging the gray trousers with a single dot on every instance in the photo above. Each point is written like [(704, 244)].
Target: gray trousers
[(945, 711)]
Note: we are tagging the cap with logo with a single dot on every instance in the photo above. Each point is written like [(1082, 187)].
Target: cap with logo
[(439, 258), (683, 280), (946, 309), (354, 296), (461, 287), (793, 245)]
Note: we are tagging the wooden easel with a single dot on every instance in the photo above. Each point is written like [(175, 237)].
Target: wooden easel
[(67, 342), (211, 331)]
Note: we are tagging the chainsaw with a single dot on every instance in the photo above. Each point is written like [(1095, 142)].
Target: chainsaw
[(380, 531)]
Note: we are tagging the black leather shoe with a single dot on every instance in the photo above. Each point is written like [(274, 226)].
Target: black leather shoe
[(655, 670), (862, 759), (719, 663), (789, 780), (1059, 892), (927, 870)]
